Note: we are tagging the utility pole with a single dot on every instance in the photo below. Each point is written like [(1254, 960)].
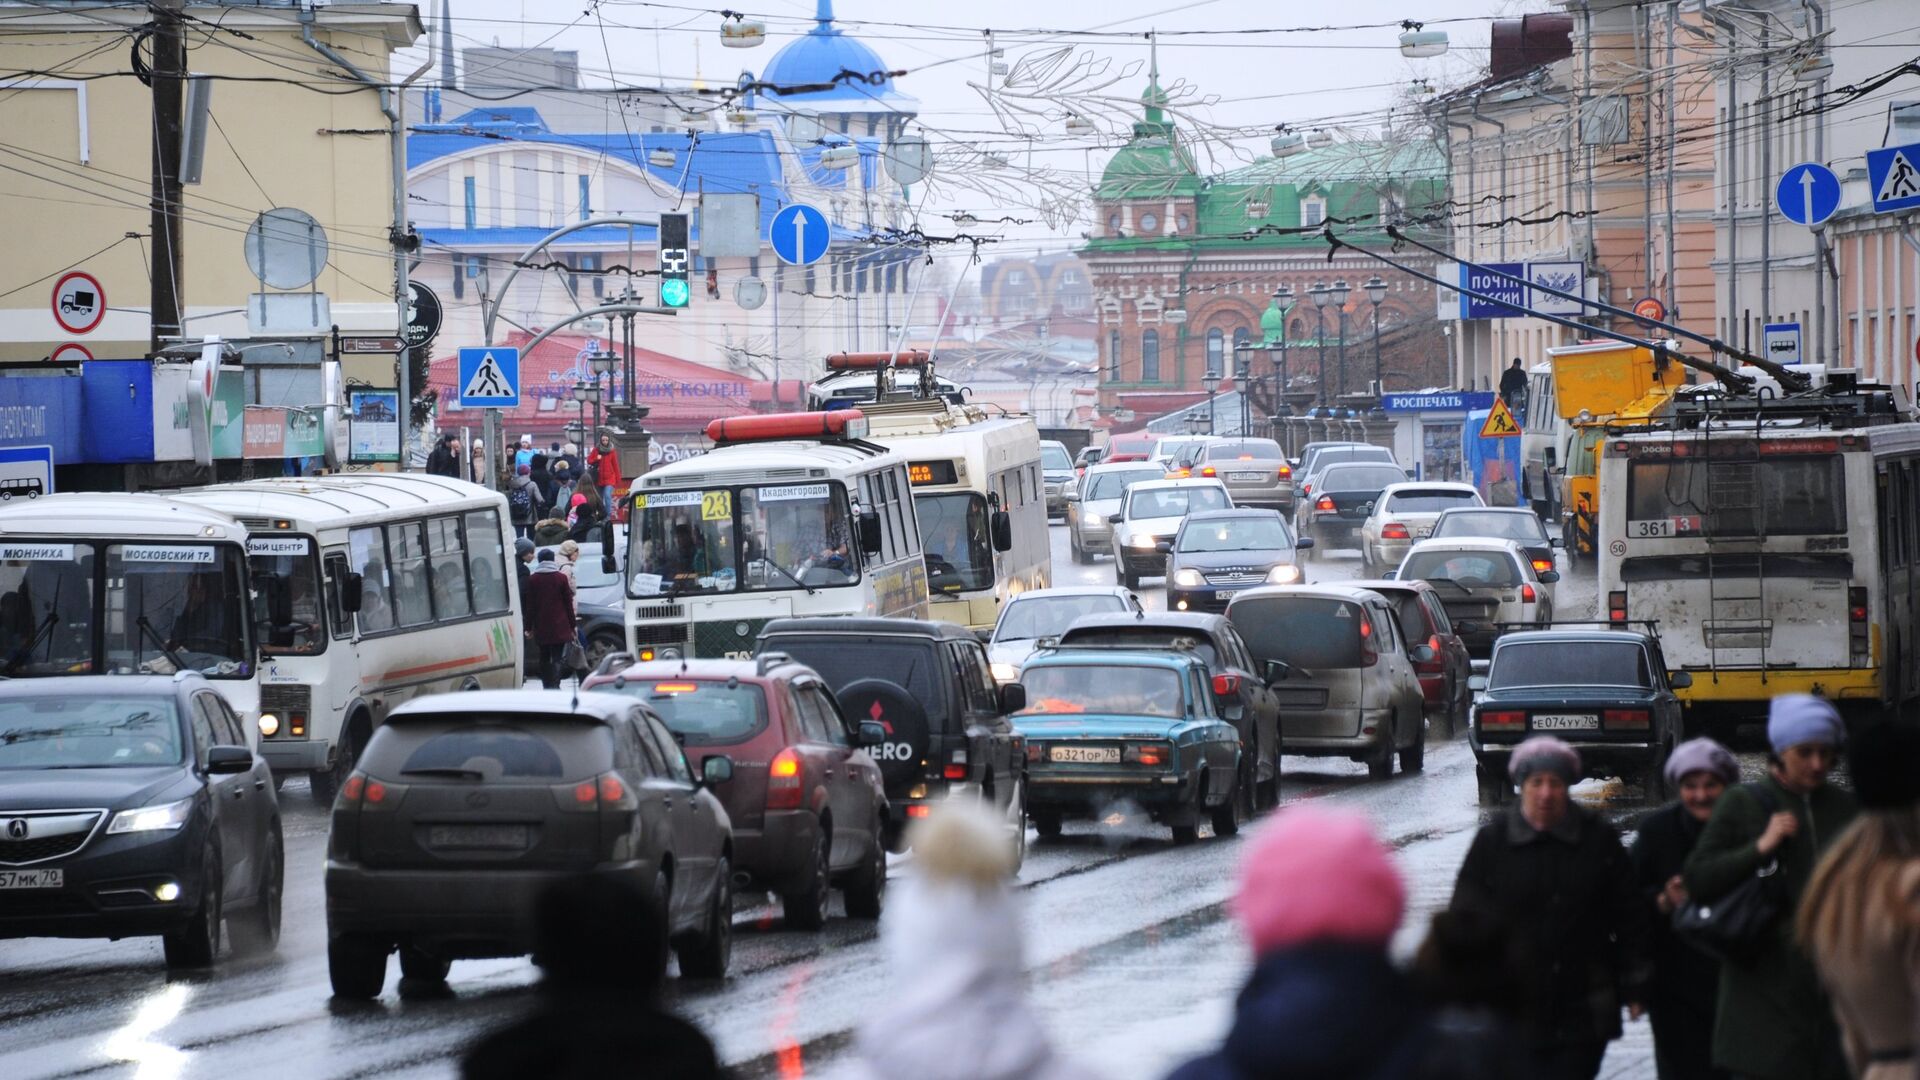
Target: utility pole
[(168, 79)]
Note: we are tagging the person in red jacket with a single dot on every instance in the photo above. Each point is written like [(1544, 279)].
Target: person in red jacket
[(604, 460), (548, 604)]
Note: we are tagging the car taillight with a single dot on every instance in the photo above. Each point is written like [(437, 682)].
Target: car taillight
[(1325, 503), (1036, 752), (1859, 641), (1617, 606), (1513, 721), (783, 781), (1286, 472), (1208, 471), (1394, 531), (954, 770), (1306, 488), (1226, 685), (1541, 566), (1146, 753), (1626, 719), (1369, 655), (1527, 593), (350, 791)]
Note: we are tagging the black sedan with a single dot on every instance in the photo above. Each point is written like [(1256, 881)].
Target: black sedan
[(132, 805), (1342, 499), (1217, 553), (1606, 692), (1518, 524)]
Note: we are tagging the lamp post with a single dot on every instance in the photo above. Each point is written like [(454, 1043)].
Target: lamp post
[(601, 364), (1283, 303), (1242, 372), (583, 392), (1376, 292), (1340, 290), (1212, 382), (1322, 296), (576, 432)]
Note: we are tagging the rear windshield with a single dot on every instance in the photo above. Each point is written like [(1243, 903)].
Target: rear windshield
[(1146, 637), (1176, 501), (1127, 691), (1359, 478), (1236, 534), (1472, 569), (1570, 663), (1305, 631), (1412, 613), (1524, 527), (703, 713), (1337, 455), (1047, 616), (1112, 485), (70, 731), (1055, 457), (843, 660), (1250, 450), (1430, 500), (541, 749)]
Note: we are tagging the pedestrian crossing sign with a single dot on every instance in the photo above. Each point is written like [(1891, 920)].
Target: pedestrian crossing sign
[(1499, 423), (489, 378), (1893, 177)]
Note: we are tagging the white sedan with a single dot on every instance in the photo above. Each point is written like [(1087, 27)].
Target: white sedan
[(1404, 515)]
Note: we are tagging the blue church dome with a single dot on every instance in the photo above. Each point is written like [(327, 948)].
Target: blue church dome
[(819, 56)]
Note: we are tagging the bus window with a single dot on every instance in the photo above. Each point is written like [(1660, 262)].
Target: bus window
[(449, 566), (369, 559), (46, 601), (336, 580), (685, 538), (958, 555), (180, 607), (1797, 496), (898, 517), (286, 592), (808, 533), (486, 557), (411, 605)]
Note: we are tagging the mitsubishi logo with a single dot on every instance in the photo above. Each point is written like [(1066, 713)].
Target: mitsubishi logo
[(878, 715), (17, 829)]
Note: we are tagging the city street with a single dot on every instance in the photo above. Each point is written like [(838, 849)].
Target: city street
[(1110, 910)]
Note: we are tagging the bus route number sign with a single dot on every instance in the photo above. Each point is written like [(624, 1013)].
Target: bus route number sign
[(716, 506), (1663, 528)]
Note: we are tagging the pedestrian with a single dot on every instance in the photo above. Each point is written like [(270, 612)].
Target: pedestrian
[(445, 459), (604, 460), (1555, 874), (523, 549), (1773, 1022), (1513, 385), (524, 455), (477, 468), (601, 945), (523, 500), (1319, 899), (549, 612), (1686, 981), (1860, 915), (586, 515), (569, 559), (542, 477), (564, 470)]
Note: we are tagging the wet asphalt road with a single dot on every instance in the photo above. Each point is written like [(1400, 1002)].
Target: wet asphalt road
[(1133, 961)]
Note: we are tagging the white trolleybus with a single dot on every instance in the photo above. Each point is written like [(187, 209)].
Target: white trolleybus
[(369, 589), (1775, 543), (120, 583), (850, 376), (794, 514)]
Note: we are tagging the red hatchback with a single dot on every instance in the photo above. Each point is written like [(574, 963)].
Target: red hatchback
[(1443, 679), (807, 803)]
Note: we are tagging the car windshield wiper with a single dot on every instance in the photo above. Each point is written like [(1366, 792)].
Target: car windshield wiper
[(172, 657), (445, 770), (788, 574), (1446, 581)]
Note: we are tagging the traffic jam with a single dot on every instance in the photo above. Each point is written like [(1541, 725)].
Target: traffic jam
[(341, 738)]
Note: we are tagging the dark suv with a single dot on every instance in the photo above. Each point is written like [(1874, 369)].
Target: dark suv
[(927, 684)]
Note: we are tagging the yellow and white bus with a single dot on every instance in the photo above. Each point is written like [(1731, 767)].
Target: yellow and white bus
[(795, 514), (369, 589)]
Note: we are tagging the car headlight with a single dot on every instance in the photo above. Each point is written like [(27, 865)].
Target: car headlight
[(269, 724), (166, 816), (1145, 541), (1284, 574), (1188, 579), (1004, 672)]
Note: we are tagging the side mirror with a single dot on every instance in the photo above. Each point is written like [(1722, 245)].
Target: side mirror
[(350, 592), (870, 532), (1301, 543), (1555, 541), (984, 635), (871, 733), (716, 769), (1115, 519), (227, 760), (1001, 526), (608, 566), (1164, 547), (1389, 575), (1013, 698), (619, 658), (1421, 654), (1073, 495), (1476, 682), (1276, 671), (1680, 680), (1548, 577)]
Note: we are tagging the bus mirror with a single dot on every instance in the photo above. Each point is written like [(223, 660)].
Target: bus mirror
[(870, 532), (350, 593), (608, 566), (1002, 531)]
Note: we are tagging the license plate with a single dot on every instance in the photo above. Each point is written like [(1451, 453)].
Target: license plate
[(1566, 722), (1246, 477), (1085, 755), (478, 836), (32, 879)]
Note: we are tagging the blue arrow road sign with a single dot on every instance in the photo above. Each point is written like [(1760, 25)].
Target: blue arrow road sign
[(25, 472), (1807, 194), (1893, 174), (798, 234), (490, 378)]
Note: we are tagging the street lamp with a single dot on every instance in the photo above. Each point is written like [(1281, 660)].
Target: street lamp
[(1242, 372), (1212, 383), (602, 364), (1283, 303), (1340, 290), (1376, 292), (583, 392), (1322, 296), (576, 432)]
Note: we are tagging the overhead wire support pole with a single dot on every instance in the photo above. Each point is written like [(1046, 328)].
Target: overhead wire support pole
[(167, 80), (1794, 380)]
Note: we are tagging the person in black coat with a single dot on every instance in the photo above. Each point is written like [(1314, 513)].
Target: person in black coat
[(1556, 876), (445, 459), (602, 954), (1685, 991)]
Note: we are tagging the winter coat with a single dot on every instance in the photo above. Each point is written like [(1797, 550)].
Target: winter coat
[(606, 467), (549, 606), (1513, 381), (1773, 1021), (1332, 1010), (1568, 893), (592, 1037), (1686, 981), (524, 512), (525, 572), (1877, 996), (442, 462)]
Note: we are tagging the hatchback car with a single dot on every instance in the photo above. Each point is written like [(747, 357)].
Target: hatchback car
[(1140, 727), (1132, 446), (1316, 457), (1342, 672), (1343, 498), (1607, 692), (1087, 457), (1518, 524), (1150, 513), (1217, 553), (806, 801), (133, 806), (1444, 678), (1097, 498), (1056, 475), (464, 807), (1046, 613), (1487, 587), (1255, 471), (1404, 514)]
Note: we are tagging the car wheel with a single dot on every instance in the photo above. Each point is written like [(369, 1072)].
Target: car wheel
[(1016, 816), (1493, 791), (1380, 765), (599, 645), (806, 906), (196, 943), (1080, 554), (1414, 758), (1236, 811), (356, 966), (325, 783), (866, 889), (419, 965), (1047, 823), (257, 930), (706, 956)]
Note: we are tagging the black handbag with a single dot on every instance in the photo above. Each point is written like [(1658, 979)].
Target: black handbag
[(1734, 928)]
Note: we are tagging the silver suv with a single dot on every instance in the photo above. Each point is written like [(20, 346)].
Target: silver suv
[(1098, 497), (1255, 471), (1343, 670), (1056, 472)]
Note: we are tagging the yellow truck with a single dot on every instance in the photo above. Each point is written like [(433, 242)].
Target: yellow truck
[(1597, 384)]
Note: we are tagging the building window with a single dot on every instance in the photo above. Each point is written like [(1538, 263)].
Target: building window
[(1149, 222), (473, 205), (1113, 223), (1182, 222), (1150, 356), (1312, 212), (1216, 344), (1113, 356), (586, 197)]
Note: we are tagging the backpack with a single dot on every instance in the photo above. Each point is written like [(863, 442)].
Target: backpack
[(520, 502)]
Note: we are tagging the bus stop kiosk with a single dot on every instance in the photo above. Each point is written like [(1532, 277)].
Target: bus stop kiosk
[(1427, 429)]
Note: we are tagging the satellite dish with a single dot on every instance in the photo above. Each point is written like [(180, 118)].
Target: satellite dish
[(286, 248), (749, 293), (909, 160)]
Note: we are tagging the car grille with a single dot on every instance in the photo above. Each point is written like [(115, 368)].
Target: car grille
[(1237, 578), (660, 634), (47, 835)]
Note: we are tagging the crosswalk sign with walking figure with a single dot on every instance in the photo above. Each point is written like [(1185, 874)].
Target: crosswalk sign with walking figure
[(1893, 176), (489, 378)]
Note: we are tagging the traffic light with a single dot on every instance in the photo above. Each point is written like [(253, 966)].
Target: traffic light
[(673, 260)]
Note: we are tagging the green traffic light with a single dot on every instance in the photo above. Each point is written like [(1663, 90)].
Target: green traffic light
[(673, 293)]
